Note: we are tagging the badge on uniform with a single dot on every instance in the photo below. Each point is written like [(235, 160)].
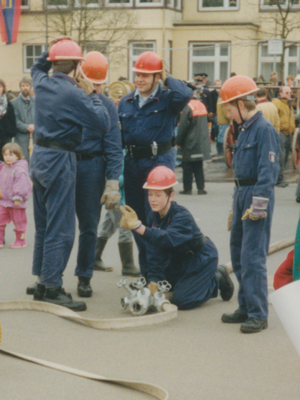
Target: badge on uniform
[(272, 156)]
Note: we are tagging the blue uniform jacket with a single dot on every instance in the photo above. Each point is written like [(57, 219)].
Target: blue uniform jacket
[(155, 121), (61, 108), (110, 142), (169, 238), (256, 154)]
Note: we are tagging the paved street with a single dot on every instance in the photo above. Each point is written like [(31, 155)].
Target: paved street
[(193, 357)]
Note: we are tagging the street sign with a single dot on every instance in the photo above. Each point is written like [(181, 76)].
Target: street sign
[(275, 47)]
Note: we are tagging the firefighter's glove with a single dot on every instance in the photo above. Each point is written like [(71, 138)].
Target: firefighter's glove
[(85, 85), (153, 288), (58, 39), (230, 220), (111, 195), (257, 209), (130, 219), (165, 73)]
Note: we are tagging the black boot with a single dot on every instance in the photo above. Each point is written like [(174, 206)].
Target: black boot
[(84, 288), (126, 255), (225, 283), (99, 264), (39, 292), (30, 289), (253, 325), (58, 296), (235, 318)]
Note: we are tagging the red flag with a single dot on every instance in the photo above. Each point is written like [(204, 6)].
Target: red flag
[(10, 12)]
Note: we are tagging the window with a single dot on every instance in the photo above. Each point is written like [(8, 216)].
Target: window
[(119, 3), (283, 3), (215, 5), (30, 53), (150, 3), (57, 3), (25, 4), (88, 3), (210, 58), (174, 4), (135, 49), (269, 63)]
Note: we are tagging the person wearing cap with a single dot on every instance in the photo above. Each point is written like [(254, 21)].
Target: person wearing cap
[(24, 106), (193, 145), (62, 110), (201, 80), (148, 116), (177, 250), (99, 164), (256, 165)]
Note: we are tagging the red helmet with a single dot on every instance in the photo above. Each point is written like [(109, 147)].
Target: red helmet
[(160, 178), (65, 49), (94, 67), (148, 63), (198, 108), (238, 87)]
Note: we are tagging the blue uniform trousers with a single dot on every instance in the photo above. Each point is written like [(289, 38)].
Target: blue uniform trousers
[(53, 173), (249, 245), (135, 175), (194, 283), (90, 184)]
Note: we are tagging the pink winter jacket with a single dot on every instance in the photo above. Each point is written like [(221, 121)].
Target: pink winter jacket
[(15, 184)]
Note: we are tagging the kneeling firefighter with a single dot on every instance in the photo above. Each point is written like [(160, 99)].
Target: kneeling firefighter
[(176, 249), (256, 166)]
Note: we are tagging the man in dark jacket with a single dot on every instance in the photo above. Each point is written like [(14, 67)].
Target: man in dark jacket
[(193, 145), (24, 110)]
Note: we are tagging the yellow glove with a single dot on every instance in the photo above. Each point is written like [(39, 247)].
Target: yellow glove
[(153, 288), (85, 85), (129, 220), (249, 213), (111, 195), (230, 220)]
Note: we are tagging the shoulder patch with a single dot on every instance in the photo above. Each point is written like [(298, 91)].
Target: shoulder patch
[(272, 156)]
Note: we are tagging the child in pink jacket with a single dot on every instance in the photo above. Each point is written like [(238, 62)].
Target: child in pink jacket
[(15, 189)]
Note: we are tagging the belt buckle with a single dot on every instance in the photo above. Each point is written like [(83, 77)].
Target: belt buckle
[(154, 148)]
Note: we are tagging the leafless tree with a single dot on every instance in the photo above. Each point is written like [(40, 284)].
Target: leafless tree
[(93, 26), (283, 19)]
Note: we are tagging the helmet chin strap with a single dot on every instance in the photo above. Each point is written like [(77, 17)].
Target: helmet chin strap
[(240, 114)]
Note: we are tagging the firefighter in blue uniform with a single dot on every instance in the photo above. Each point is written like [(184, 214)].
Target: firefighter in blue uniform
[(176, 249), (62, 110), (99, 156), (147, 117), (256, 166)]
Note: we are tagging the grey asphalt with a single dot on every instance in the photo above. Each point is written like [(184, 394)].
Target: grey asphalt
[(194, 357)]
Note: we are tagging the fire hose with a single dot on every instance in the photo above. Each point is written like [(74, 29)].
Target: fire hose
[(142, 298)]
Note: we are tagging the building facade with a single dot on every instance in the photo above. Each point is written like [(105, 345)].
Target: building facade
[(212, 36)]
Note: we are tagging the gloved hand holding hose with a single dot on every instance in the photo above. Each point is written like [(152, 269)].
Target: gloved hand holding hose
[(111, 195), (257, 209)]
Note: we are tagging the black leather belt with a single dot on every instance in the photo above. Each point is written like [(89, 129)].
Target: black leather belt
[(83, 157), (198, 247), (55, 145), (245, 182), (149, 151)]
